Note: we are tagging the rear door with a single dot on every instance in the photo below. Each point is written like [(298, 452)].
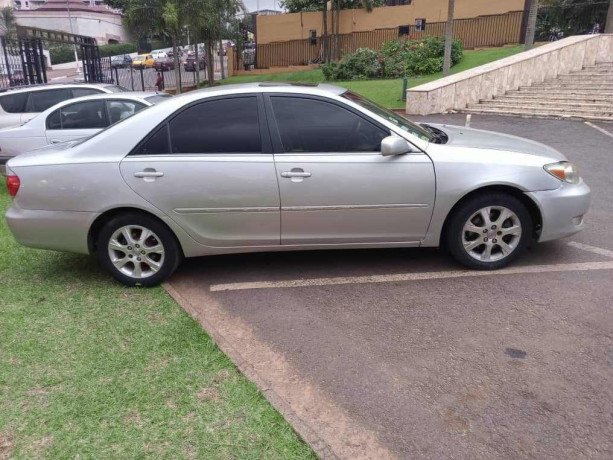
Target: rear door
[(39, 101), (336, 187), (75, 121), (210, 168)]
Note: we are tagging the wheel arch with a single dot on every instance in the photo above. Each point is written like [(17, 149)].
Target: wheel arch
[(102, 219), (531, 206)]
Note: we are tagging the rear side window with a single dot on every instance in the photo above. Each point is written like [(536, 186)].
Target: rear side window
[(220, 126), (156, 144), (14, 103), (81, 115), (42, 100), (78, 92)]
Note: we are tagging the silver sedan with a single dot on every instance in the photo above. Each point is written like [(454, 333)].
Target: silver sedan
[(276, 167)]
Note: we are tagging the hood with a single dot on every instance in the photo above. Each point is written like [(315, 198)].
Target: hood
[(460, 136)]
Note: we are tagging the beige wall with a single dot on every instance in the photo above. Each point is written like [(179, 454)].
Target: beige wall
[(296, 26)]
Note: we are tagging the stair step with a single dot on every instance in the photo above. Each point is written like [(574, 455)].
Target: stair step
[(536, 113), (590, 86), (605, 78), (558, 92), (550, 109), (572, 105), (541, 97), (592, 72)]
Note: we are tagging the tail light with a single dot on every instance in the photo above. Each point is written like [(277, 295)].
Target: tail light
[(12, 185)]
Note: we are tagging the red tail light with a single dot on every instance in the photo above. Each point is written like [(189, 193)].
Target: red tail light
[(12, 185)]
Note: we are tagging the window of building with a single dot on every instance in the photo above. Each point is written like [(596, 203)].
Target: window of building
[(420, 24)]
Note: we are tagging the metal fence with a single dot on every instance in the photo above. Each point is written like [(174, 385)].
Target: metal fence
[(147, 79), (482, 31)]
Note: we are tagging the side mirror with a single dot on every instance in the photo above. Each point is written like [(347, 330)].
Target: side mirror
[(394, 145)]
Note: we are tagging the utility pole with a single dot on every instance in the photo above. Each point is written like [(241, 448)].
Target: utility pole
[(608, 28), (448, 37), (531, 24), (76, 57)]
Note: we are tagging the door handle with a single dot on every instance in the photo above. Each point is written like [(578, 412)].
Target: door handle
[(148, 174), (291, 174), (55, 141)]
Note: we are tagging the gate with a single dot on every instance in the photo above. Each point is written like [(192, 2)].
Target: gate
[(23, 63)]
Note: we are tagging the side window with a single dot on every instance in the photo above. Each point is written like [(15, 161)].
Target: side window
[(220, 126), (157, 144), (14, 103), (84, 115), (118, 110), (42, 100), (78, 92), (54, 120), (310, 125)]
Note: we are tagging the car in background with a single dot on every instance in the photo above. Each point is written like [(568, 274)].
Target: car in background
[(164, 61), (277, 167), (20, 105), (143, 61), (74, 119), (190, 62), (123, 61)]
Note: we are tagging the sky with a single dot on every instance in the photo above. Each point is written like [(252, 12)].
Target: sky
[(264, 4)]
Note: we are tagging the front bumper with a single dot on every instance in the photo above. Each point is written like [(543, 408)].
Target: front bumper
[(562, 210), (56, 230)]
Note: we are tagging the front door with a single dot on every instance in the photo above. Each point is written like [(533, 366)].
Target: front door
[(211, 169), (75, 121), (336, 187)]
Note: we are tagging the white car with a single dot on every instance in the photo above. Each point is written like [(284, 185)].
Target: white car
[(73, 119), (20, 105)]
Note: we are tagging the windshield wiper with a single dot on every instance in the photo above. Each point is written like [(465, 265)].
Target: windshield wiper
[(439, 136)]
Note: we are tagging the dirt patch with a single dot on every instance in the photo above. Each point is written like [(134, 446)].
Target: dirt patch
[(208, 394), (6, 446), (134, 418)]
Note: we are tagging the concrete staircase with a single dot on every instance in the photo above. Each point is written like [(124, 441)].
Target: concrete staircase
[(585, 94)]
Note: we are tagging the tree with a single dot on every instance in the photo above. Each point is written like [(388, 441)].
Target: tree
[(297, 6), (7, 22), (609, 26), (531, 24), (448, 37), (571, 17)]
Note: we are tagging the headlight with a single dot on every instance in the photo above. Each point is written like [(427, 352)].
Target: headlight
[(564, 171)]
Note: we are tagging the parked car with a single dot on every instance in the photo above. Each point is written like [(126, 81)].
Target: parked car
[(74, 119), (190, 62), (164, 62), (218, 170), (20, 105), (143, 61), (122, 61)]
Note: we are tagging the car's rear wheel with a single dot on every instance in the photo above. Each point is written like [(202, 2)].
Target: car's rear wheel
[(138, 250), (488, 232)]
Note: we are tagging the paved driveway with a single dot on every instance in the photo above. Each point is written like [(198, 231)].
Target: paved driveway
[(402, 353)]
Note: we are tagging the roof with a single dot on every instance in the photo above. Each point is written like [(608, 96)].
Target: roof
[(55, 85), (269, 86)]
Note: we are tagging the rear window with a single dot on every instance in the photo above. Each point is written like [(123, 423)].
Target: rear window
[(14, 103)]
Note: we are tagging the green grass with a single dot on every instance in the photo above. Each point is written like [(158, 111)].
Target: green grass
[(91, 369), (385, 92)]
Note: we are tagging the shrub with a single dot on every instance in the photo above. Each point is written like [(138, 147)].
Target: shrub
[(417, 57), (113, 49), (62, 53), (361, 65)]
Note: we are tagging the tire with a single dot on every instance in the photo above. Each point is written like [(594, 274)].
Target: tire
[(479, 244), (157, 251)]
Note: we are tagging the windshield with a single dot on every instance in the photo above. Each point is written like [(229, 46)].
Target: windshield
[(398, 120)]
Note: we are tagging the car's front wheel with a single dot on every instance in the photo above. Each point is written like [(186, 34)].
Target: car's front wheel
[(138, 250), (488, 232)]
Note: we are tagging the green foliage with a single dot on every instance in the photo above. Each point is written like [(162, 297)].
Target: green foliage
[(569, 17), (417, 57), (296, 6), (113, 49), (361, 65), (61, 54), (397, 58)]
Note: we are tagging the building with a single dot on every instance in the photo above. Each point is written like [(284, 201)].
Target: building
[(407, 14), (86, 17)]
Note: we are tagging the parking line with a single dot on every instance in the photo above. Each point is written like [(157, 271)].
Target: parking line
[(584, 266), (596, 127), (592, 249)]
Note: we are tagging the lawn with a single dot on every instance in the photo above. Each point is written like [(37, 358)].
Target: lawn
[(385, 92), (90, 369)]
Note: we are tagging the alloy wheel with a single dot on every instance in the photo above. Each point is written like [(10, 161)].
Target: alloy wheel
[(136, 251), (492, 233)]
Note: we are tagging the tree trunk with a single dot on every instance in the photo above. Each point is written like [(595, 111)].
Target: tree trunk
[(337, 19), (175, 56), (197, 64), (531, 24), (324, 33), (448, 37), (608, 28), (210, 64), (221, 59)]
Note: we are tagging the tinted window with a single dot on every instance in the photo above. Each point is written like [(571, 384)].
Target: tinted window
[(54, 120), (118, 110), (42, 100), (84, 115), (157, 144), (309, 125), (14, 103), (221, 126), (78, 92)]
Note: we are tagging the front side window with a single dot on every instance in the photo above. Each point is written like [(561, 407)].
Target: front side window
[(82, 115), (40, 101), (119, 110), (311, 125), (219, 126)]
